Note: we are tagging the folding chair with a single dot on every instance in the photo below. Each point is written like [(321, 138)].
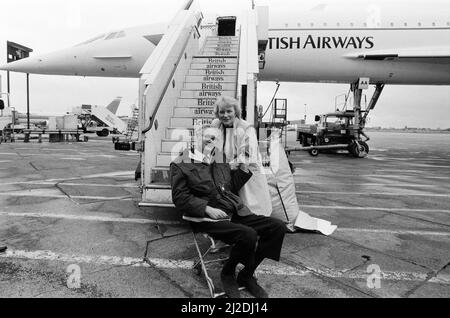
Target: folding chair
[(201, 265)]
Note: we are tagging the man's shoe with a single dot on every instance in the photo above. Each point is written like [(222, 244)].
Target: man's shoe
[(230, 286), (3, 249), (251, 284)]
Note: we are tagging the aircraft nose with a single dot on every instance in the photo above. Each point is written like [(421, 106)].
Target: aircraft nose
[(28, 65), (53, 63)]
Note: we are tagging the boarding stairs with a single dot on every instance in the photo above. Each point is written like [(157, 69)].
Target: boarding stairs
[(132, 124), (211, 74), (192, 65)]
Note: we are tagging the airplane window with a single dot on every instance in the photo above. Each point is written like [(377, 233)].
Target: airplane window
[(286, 25), (419, 24), (324, 24), (406, 24), (312, 24), (433, 24), (111, 36), (352, 24), (299, 25), (365, 24), (392, 24), (93, 40), (448, 23), (338, 24)]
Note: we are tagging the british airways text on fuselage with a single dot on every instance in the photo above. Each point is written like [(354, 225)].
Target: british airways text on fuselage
[(321, 42)]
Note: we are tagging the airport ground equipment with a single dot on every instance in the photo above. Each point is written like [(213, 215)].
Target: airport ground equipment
[(7, 119), (54, 135), (100, 120), (132, 126), (333, 131), (341, 130)]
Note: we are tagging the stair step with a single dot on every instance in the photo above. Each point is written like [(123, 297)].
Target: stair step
[(223, 38), (221, 47), (161, 175), (171, 146), (206, 94), (209, 72), (215, 60), (209, 66), (219, 52), (186, 122), (178, 133), (223, 42), (170, 207), (193, 111), (165, 159), (155, 196), (210, 86), (195, 102), (211, 78)]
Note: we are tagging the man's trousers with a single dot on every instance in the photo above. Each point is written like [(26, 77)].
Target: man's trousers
[(251, 237)]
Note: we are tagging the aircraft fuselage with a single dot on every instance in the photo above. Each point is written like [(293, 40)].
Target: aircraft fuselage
[(330, 55)]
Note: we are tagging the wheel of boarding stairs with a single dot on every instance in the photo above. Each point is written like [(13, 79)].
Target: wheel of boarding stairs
[(103, 133)]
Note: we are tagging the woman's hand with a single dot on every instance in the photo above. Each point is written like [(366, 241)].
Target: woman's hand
[(234, 165), (215, 214)]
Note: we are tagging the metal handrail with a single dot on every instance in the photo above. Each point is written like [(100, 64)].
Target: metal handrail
[(238, 63), (153, 117)]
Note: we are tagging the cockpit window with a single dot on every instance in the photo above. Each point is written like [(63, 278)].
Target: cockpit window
[(93, 40), (115, 35)]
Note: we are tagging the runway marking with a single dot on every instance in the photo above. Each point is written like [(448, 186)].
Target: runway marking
[(93, 218), (374, 209), (399, 232), (372, 184), (99, 175), (62, 196), (99, 185), (8, 154), (5, 161), (60, 149), (161, 263), (74, 159), (381, 193), (398, 176), (89, 218)]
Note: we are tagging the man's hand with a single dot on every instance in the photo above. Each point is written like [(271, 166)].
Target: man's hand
[(215, 214)]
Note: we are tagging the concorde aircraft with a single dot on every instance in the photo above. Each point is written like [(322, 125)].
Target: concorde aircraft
[(403, 42)]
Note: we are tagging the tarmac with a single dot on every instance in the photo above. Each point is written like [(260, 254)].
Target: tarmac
[(69, 215)]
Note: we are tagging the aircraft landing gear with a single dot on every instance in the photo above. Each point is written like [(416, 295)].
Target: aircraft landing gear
[(359, 149)]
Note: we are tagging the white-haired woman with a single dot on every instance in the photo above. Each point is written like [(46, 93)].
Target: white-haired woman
[(240, 146)]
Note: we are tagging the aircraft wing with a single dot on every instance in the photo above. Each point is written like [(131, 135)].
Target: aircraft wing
[(432, 55)]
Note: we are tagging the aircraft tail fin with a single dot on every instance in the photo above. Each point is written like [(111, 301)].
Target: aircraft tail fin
[(114, 105)]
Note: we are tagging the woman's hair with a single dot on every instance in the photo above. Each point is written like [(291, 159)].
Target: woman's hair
[(226, 101)]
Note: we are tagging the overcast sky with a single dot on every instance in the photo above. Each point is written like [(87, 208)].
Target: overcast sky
[(49, 25)]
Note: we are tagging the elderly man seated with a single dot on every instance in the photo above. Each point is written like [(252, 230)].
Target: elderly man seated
[(204, 188)]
